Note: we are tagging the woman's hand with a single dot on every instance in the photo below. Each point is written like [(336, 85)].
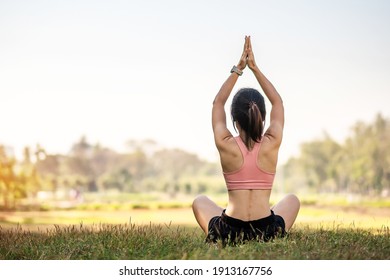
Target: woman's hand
[(247, 57), (250, 60), (244, 57)]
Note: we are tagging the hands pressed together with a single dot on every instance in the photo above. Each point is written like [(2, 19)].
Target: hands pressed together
[(247, 57)]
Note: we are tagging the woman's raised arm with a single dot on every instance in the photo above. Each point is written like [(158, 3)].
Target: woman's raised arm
[(220, 130), (275, 129)]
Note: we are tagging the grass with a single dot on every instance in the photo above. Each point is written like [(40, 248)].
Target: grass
[(326, 231), (157, 242)]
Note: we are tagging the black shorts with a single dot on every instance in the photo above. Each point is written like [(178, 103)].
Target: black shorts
[(231, 230)]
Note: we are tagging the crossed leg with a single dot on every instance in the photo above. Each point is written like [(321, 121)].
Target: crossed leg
[(205, 209), (288, 208)]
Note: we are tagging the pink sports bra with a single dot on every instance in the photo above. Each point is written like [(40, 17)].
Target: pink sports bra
[(249, 176)]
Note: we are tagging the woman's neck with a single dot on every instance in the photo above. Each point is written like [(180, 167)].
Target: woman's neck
[(250, 143)]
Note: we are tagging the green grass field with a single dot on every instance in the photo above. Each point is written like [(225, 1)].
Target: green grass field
[(321, 232), (148, 242)]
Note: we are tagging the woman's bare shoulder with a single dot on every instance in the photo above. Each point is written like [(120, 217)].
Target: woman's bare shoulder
[(230, 154)]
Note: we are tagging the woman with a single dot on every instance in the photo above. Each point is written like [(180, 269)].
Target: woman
[(248, 163)]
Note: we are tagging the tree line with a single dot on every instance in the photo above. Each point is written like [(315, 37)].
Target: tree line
[(90, 167), (359, 165)]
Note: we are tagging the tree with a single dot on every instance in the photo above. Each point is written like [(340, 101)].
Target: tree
[(361, 164), (15, 181), (319, 159), (368, 156)]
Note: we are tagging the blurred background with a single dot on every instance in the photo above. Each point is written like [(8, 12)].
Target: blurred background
[(106, 105)]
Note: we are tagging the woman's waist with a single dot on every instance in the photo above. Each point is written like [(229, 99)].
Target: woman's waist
[(248, 205), (245, 215), (261, 223)]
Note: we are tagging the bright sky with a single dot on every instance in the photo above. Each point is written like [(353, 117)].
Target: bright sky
[(120, 70)]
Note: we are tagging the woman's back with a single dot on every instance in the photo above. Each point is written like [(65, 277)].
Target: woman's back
[(249, 176), (248, 205)]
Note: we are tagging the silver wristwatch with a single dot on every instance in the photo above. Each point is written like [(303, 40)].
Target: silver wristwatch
[(236, 70)]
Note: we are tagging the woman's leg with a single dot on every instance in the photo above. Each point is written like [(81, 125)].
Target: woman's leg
[(205, 209), (288, 208)]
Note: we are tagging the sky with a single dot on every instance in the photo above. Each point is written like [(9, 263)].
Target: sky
[(118, 70)]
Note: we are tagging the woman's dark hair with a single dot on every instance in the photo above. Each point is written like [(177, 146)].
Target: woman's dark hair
[(248, 109)]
